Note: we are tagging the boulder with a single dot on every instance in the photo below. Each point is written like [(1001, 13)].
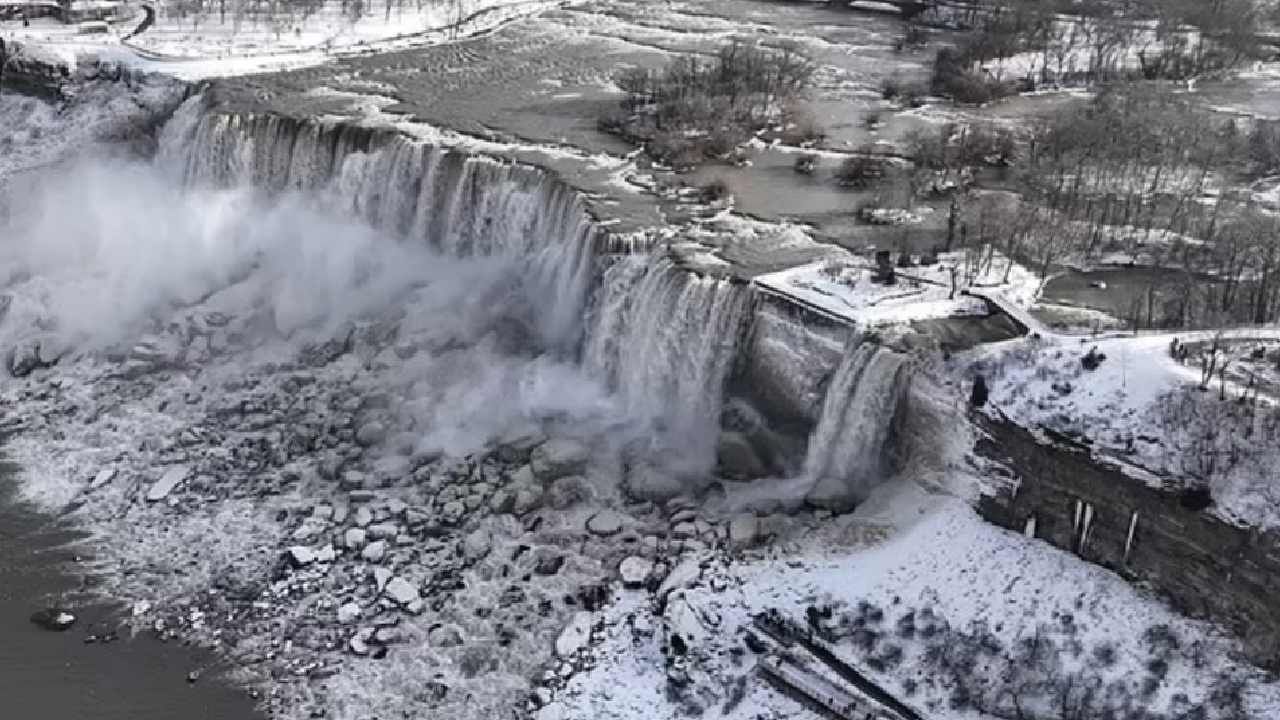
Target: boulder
[(348, 613), (401, 591), (527, 499), (567, 492), (172, 478), (374, 551), (381, 576), (354, 538), (831, 493), (371, 433), (737, 459), (635, 571), (476, 545), (300, 557), (575, 635), (558, 458), (605, 523), (647, 482)]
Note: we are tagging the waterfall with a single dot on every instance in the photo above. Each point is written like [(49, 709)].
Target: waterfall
[(665, 340), (851, 441), (459, 203)]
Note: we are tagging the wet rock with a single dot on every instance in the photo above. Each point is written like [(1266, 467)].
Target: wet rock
[(737, 459), (401, 591), (371, 433), (527, 499), (172, 478), (646, 482), (31, 355), (503, 501), (831, 493), (558, 458), (575, 635), (567, 492), (605, 523), (635, 571), (55, 619)]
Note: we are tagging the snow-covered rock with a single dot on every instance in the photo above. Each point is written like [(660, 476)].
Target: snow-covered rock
[(401, 591), (348, 613), (172, 478), (575, 635), (635, 571), (743, 531)]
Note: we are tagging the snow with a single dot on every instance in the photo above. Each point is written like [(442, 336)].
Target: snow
[(843, 288), (908, 552), (193, 47), (1121, 406)]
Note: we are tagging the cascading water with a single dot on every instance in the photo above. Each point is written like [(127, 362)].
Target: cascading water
[(665, 340), (850, 443), (461, 204)]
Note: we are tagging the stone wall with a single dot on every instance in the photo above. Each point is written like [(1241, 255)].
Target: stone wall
[(1208, 568)]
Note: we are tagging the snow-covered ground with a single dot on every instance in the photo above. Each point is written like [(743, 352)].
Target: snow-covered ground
[(911, 579), (843, 287), (1143, 407)]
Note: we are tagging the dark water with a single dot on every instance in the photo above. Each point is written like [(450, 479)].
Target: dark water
[(57, 676)]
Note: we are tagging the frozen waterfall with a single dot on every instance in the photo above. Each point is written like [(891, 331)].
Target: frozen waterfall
[(851, 441), (665, 340), (459, 203)]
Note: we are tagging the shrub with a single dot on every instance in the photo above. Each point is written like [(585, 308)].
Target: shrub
[(806, 164), (860, 171), (716, 190), (743, 89)]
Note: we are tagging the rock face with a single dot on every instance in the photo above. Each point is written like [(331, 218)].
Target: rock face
[(1207, 567), (172, 478), (737, 459)]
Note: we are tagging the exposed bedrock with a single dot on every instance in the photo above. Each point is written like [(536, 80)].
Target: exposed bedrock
[(1206, 566)]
